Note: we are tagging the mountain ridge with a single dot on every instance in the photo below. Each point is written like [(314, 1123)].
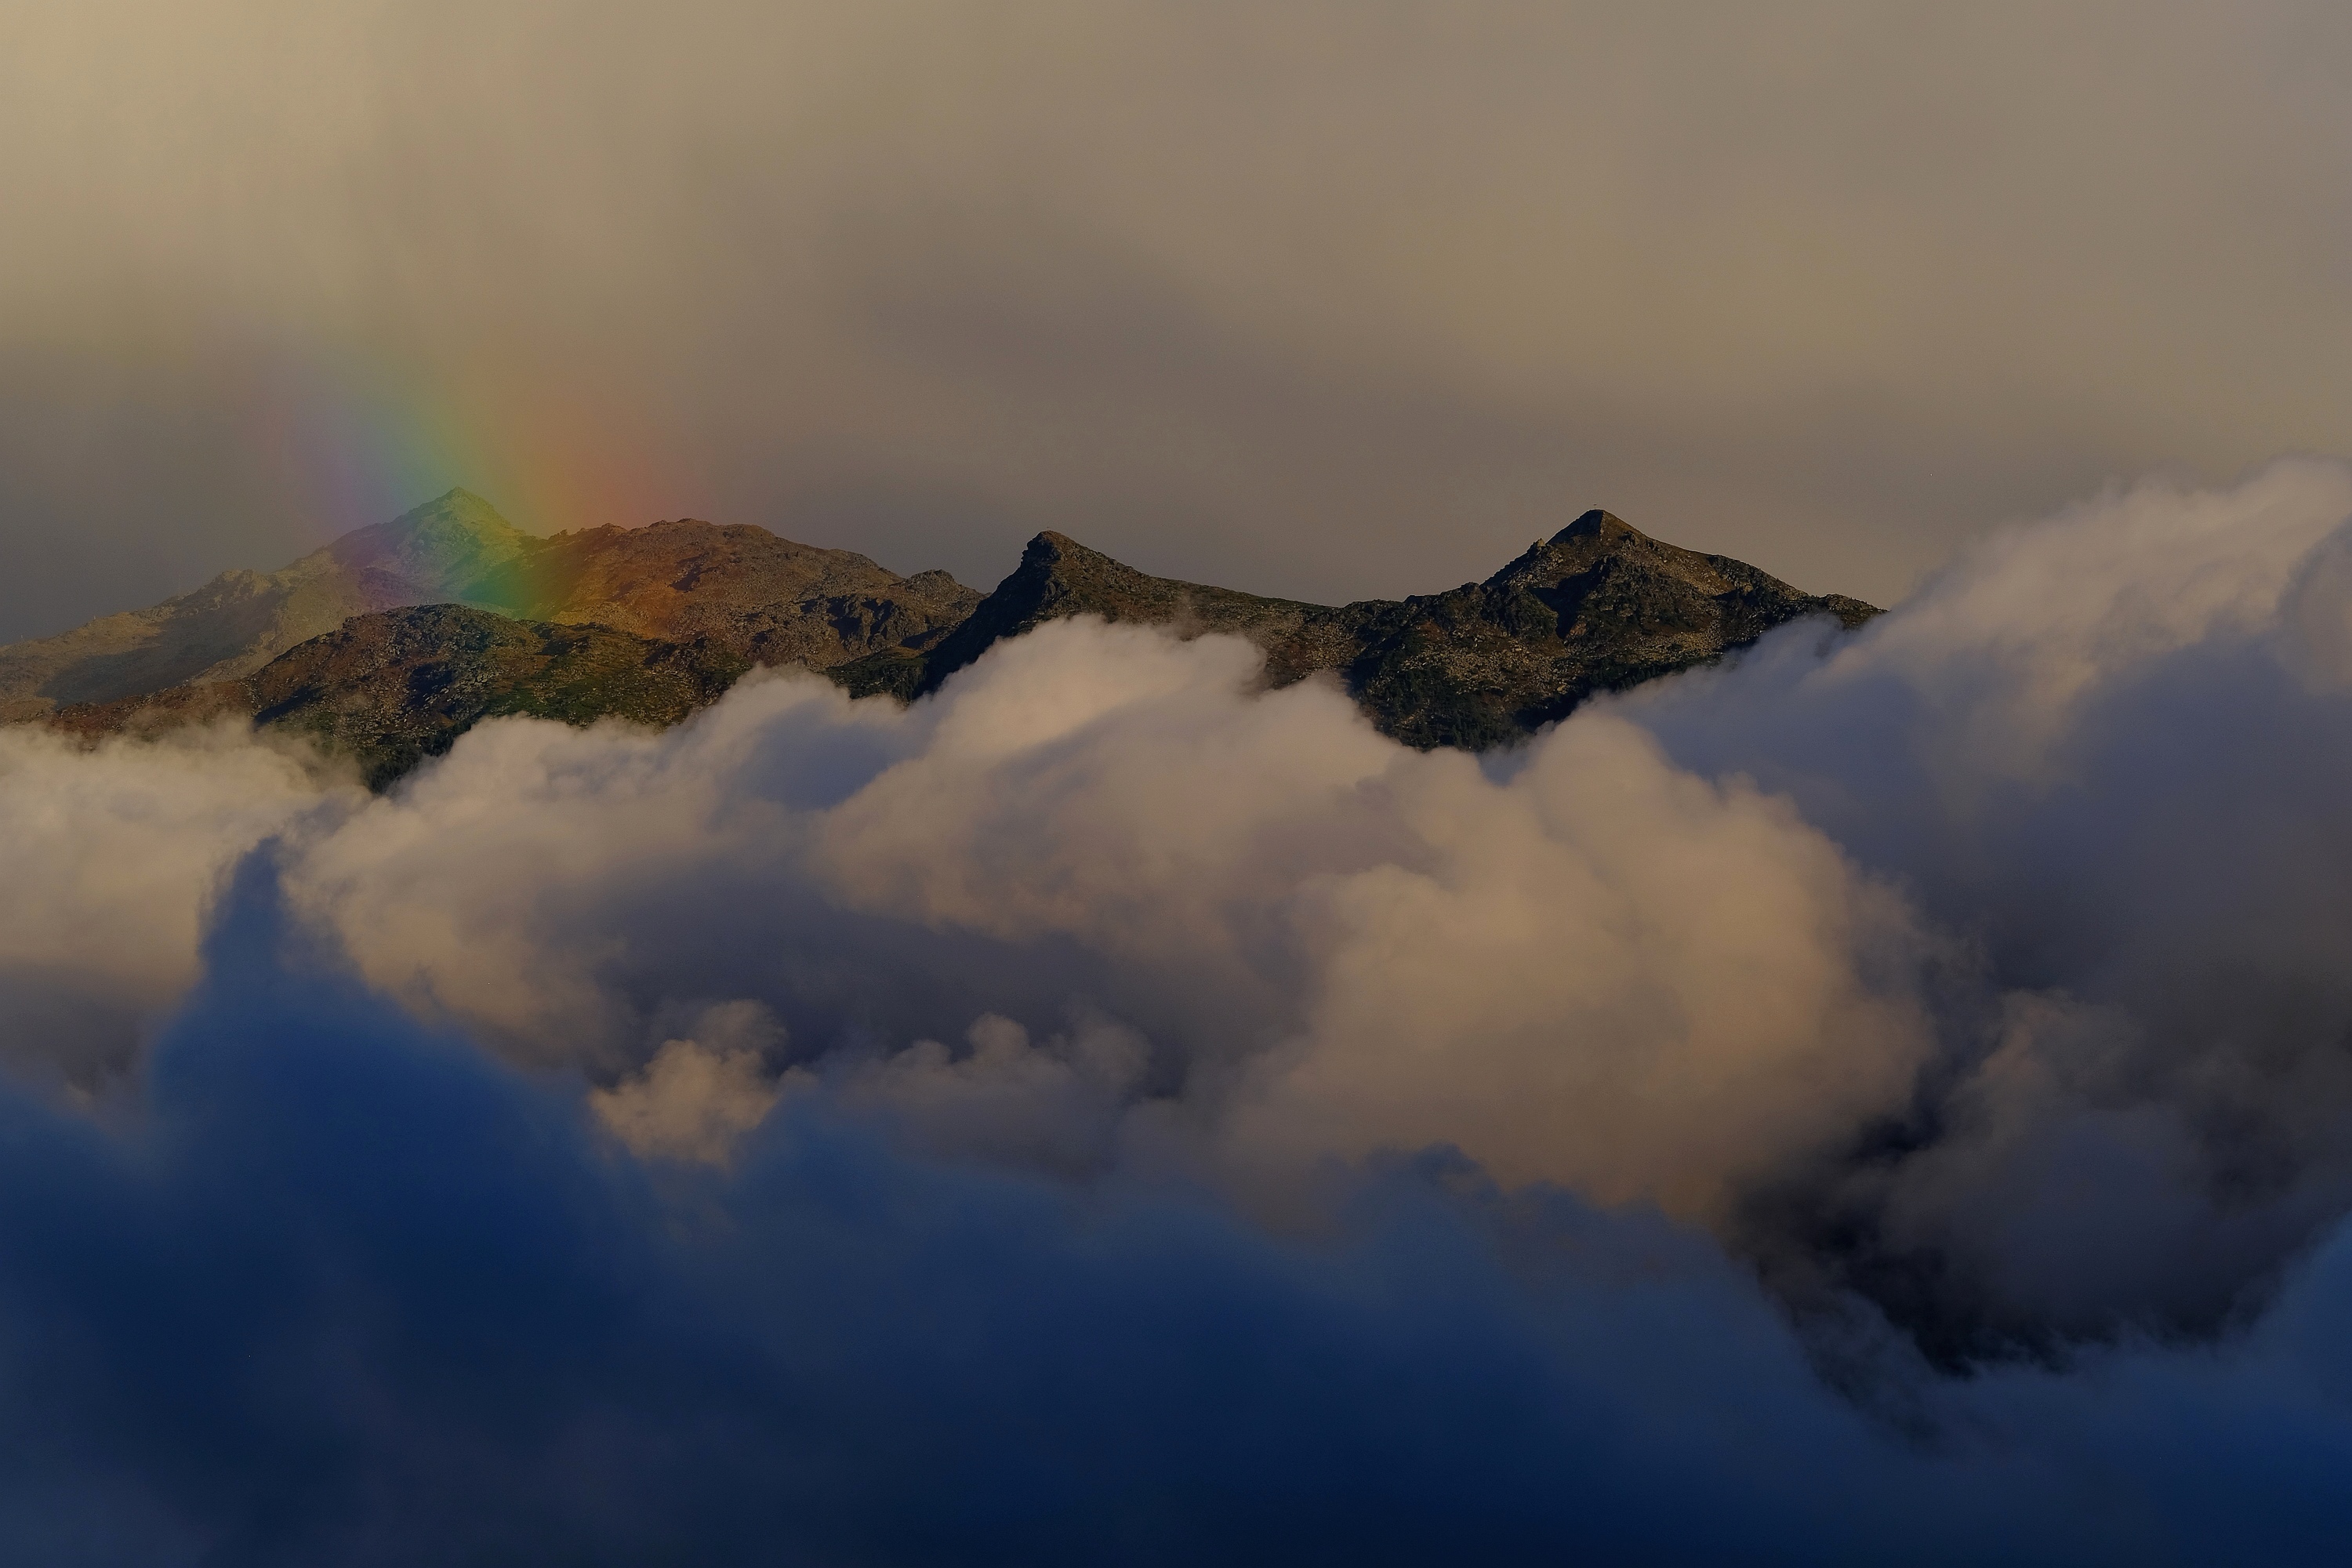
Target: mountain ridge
[(650, 624), (1599, 606)]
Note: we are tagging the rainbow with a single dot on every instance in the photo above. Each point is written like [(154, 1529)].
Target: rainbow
[(349, 442)]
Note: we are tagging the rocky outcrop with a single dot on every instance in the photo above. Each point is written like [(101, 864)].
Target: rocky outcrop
[(1600, 606), (1057, 578)]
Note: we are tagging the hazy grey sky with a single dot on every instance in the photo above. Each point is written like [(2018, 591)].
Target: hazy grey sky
[(1331, 300)]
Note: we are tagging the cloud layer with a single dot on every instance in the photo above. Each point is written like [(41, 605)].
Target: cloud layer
[(1111, 1104), (2102, 754)]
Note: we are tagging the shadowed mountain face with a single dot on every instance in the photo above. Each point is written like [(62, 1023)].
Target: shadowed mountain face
[(1059, 577), (652, 624)]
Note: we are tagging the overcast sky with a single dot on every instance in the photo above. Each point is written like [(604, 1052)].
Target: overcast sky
[(1329, 299)]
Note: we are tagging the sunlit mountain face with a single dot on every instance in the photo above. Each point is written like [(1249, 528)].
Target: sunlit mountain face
[(1118, 1094)]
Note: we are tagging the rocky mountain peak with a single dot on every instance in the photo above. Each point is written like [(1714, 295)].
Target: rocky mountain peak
[(436, 549), (1059, 577), (1598, 524), (1053, 546)]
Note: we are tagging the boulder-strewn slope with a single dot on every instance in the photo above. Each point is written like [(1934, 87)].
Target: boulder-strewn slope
[(742, 590), (652, 624)]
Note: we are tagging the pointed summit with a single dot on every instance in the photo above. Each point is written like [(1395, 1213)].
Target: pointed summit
[(456, 507), (1598, 524), (435, 550), (1059, 577)]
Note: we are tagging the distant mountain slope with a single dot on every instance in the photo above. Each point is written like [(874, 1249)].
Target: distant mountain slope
[(740, 588), (652, 624)]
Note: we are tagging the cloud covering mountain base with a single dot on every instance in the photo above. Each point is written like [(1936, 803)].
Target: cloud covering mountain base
[(1110, 1110)]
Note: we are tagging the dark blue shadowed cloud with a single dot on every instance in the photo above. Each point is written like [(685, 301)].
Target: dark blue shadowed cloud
[(353, 1292)]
